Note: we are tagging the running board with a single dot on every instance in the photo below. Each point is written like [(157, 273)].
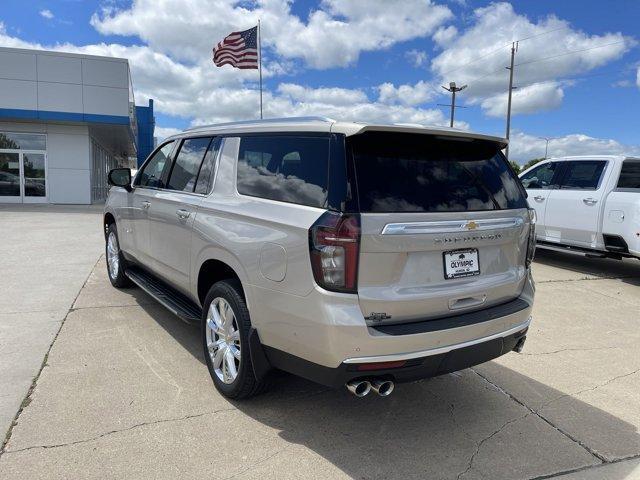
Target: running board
[(585, 252), (174, 301)]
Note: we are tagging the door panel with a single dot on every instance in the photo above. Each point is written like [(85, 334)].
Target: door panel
[(173, 211), (34, 177), (539, 184), (170, 223), (141, 200), (573, 210)]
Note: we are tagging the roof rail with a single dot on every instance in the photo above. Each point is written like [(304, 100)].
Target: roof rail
[(266, 120)]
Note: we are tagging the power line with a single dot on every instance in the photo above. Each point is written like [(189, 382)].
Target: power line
[(543, 33), (569, 53), (501, 48)]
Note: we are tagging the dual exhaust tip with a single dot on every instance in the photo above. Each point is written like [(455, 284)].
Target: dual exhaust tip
[(361, 388)]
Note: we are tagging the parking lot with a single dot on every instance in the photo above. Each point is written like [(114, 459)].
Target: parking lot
[(125, 393)]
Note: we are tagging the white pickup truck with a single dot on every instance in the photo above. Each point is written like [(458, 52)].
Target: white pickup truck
[(587, 204)]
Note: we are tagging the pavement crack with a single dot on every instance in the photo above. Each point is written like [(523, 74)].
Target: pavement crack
[(487, 438), (256, 464), (534, 354), (545, 419), (27, 399), (111, 432), (590, 389)]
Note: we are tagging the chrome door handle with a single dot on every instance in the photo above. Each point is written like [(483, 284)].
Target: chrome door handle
[(146, 205), (590, 201), (538, 198), (183, 213)]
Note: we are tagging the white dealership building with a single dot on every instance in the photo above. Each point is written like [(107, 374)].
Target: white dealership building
[(65, 120)]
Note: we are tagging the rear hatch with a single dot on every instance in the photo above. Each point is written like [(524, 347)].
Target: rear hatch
[(444, 225)]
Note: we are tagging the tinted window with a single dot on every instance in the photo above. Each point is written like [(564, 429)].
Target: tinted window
[(152, 173), (582, 175), (286, 168), (185, 169), (420, 173), (540, 177), (207, 168), (630, 175)]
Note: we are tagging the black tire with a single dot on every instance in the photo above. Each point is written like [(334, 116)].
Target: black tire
[(245, 384), (117, 277)]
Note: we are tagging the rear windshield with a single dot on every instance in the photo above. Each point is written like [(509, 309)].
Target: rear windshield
[(421, 173), (630, 175)]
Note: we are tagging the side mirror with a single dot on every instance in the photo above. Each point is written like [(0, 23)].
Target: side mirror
[(120, 177)]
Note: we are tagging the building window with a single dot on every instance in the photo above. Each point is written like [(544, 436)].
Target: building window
[(23, 141)]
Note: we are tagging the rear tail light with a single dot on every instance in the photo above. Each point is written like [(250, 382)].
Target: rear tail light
[(334, 246), (531, 243)]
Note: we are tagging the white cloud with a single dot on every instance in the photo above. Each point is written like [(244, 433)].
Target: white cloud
[(638, 77), (445, 35), (417, 57), (333, 36), (479, 55), (163, 132), (327, 96), (46, 13), (533, 98), (524, 147), (405, 94)]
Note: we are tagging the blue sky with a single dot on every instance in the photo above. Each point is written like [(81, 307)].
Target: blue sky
[(371, 60)]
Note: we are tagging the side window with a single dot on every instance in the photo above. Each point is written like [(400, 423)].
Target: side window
[(187, 164), (630, 175), (583, 175), (287, 168), (152, 173), (208, 167), (540, 177)]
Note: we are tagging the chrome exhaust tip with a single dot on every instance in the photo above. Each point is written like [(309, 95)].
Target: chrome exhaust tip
[(384, 388), (520, 345), (359, 388)]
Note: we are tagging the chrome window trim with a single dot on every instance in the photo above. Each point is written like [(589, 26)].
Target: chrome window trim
[(451, 226)]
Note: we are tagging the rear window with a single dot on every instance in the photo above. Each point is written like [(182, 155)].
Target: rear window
[(630, 175), (421, 173), (291, 169), (582, 175)]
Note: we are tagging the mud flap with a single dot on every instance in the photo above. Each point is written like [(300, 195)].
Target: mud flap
[(261, 365)]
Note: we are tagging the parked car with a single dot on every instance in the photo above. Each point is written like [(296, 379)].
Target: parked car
[(589, 204), (346, 253)]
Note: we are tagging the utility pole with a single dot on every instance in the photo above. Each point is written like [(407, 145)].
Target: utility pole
[(546, 147), (514, 49), (453, 89)]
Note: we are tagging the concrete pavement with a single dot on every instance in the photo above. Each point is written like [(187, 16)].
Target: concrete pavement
[(125, 393), (47, 254)]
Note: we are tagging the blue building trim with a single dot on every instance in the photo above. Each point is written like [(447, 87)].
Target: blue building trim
[(13, 113), (146, 127)]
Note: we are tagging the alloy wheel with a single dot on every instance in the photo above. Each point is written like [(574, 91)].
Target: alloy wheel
[(223, 340), (113, 255)]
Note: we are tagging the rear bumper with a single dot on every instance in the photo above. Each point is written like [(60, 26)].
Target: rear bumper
[(419, 365), (329, 329)]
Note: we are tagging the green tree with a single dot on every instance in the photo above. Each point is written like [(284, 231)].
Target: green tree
[(516, 167), (531, 163)]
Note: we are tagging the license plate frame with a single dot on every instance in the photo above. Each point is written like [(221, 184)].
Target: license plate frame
[(451, 272)]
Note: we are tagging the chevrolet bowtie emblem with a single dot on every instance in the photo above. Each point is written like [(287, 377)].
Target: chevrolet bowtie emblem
[(471, 225)]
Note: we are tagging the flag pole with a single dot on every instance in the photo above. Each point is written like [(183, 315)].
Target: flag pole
[(260, 65)]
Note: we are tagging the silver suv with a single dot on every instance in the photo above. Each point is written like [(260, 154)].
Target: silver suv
[(347, 253)]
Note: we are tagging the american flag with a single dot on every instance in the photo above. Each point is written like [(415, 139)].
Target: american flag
[(238, 49)]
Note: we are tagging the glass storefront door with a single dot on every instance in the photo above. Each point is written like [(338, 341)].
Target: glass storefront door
[(22, 177), (10, 185)]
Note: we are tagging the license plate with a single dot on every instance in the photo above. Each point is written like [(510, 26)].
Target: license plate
[(461, 263)]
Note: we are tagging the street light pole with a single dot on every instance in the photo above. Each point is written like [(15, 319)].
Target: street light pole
[(546, 147), (453, 89)]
